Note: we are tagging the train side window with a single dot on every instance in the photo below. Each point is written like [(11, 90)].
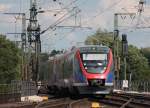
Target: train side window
[(68, 65)]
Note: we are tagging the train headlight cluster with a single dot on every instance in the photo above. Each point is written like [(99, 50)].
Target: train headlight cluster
[(102, 77)]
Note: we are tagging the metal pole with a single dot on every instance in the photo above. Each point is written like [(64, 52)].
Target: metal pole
[(24, 46), (115, 49), (125, 67), (34, 42)]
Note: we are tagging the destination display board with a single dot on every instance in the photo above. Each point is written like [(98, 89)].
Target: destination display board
[(94, 49), (94, 56)]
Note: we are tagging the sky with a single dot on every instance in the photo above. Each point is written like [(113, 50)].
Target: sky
[(89, 14)]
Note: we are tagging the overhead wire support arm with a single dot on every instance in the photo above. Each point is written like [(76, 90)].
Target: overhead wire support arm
[(70, 27)]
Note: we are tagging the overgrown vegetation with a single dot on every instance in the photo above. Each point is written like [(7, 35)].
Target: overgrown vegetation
[(9, 61), (146, 53)]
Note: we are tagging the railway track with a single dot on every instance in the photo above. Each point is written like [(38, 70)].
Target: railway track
[(111, 101), (81, 103), (62, 103), (127, 101), (53, 103)]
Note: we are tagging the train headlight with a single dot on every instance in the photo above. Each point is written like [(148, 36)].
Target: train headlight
[(102, 77), (100, 64)]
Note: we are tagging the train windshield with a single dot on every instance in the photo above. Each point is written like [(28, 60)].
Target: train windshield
[(95, 63)]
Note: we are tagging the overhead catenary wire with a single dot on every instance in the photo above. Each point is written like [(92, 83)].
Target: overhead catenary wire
[(66, 18), (105, 10), (60, 20), (111, 6), (66, 7)]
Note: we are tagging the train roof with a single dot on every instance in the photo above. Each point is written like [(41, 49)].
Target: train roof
[(83, 49), (94, 48)]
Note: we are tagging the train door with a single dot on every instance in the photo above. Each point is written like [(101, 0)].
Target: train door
[(54, 72)]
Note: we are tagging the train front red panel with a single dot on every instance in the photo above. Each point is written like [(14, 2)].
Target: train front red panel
[(95, 75)]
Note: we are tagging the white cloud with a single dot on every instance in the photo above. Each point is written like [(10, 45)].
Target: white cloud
[(5, 18), (4, 7)]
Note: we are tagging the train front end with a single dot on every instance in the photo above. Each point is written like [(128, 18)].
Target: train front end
[(94, 72)]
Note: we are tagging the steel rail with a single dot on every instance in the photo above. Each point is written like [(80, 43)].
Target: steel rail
[(127, 100), (61, 103), (73, 103), (51, 102), (125, 104)]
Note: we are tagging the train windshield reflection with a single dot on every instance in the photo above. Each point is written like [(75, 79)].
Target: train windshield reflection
[(95, 63)]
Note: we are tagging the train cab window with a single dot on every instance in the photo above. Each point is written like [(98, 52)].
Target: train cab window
[(94, 63)]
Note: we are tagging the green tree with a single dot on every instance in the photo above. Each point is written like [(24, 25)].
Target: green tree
[(9, 61), (137, 64), (101, 37), (54, 52), (146, 53)]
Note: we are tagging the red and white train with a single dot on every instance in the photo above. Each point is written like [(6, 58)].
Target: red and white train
[(84, 70)]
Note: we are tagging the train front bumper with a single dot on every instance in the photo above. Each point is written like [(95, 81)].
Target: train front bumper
[(84, 88)]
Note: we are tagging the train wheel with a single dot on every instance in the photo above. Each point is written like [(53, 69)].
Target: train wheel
[(64, 92), (74, 94), (103, 95)]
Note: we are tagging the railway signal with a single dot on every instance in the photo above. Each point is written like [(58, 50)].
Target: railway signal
[(124, 54), (124, 45)]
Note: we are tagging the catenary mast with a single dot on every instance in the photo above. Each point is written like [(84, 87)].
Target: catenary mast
[(33, 32)]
